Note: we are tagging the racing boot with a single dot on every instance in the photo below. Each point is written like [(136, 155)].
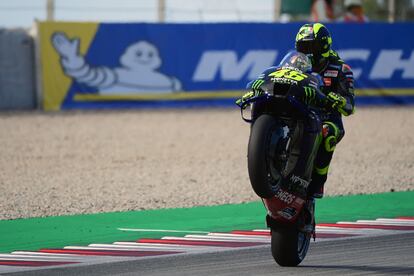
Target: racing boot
[(316, 187)]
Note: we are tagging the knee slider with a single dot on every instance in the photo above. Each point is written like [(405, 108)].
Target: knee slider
[(330, 136), (330, 143)]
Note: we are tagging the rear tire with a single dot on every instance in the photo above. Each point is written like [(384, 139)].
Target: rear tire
[(289, 246), (265, 139)]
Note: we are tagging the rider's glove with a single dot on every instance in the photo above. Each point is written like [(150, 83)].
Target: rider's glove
[(255, 91), (336, 101), (245, 97), (256, 87)]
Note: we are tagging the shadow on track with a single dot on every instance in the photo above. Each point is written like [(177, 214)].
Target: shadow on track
[(388, 270)]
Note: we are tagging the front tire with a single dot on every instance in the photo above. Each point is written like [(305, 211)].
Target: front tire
[(264, 163), (289, 246)]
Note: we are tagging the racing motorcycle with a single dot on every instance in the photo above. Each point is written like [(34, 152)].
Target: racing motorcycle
[(278, 115)]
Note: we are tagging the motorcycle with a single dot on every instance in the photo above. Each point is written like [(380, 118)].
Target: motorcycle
[(278, 118)]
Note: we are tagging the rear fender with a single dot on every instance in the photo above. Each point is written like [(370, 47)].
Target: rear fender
[(284, 207)]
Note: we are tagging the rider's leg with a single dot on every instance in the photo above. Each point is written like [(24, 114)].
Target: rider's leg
[(332, 134)]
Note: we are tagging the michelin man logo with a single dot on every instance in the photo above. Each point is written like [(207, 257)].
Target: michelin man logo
[(137, 74)]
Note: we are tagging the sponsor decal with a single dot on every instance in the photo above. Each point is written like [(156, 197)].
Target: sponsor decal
[(229, 65), (285, 196), (327, 81), (335, 66), (299, 181), (346, 68), (331, 73), (287, 213), (313, 84), (284, 80), (138, 70)]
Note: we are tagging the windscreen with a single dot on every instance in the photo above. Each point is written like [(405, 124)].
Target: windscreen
[(297, 60)]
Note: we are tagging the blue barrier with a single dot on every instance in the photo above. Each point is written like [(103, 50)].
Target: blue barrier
[(139, 64)]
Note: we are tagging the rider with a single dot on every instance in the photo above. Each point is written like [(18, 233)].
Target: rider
[(315, 41)]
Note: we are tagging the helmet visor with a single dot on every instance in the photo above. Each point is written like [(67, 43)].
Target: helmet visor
[(309, 47)]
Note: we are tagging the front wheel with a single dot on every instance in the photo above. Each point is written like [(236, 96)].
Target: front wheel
[(266, 155), (289, 245)]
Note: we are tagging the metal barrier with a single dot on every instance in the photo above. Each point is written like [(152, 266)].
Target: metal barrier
[(17, 72)]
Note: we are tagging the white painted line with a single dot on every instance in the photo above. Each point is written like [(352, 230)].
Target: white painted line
[(161, 230)]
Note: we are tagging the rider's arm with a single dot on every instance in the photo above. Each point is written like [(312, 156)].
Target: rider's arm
[(343, 100)]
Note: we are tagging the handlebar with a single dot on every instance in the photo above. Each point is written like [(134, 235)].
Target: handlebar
[(243, 104)]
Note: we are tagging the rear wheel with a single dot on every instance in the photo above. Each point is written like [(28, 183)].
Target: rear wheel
[(289, 245)]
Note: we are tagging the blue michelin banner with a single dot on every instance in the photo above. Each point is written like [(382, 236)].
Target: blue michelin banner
[(127, 65)]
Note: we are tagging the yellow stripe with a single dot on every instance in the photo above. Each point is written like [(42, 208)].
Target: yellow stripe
[(160, 96), (322, 171), (215, 95), (384, 92)]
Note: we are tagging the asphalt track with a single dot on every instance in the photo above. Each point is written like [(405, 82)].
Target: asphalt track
[(379, 255)]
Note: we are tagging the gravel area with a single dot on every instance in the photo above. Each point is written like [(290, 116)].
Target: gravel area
[(88, 162)]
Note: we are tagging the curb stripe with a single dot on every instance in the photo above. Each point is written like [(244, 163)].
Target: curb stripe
[(205, 243), (96, 253), (16, 256), (34, 263), (398, 222), (386, 222), (265, 233), (406, 218), (228, 238), (334, 235), (154, 245), (369, 226), (105, 252), (126, 247), (318, 235), (119, 248)]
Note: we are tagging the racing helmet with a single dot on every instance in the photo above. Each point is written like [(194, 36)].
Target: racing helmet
[(315, 41)]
